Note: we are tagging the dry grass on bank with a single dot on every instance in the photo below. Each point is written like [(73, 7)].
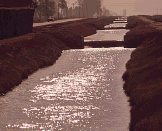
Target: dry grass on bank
[(143, 84)]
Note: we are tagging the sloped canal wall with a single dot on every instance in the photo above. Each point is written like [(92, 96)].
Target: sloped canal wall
[(21, 56), (143, 78)]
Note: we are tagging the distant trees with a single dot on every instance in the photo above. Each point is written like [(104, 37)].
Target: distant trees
[(62, 8), (45, 8), (106, 12), (59, 9), (62, 4), (91, 8)]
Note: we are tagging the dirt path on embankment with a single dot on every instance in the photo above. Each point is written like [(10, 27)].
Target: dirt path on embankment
[(21, 56), (56, 22), (143, 78)]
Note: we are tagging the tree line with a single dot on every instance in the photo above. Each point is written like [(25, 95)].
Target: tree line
[(59, 9)]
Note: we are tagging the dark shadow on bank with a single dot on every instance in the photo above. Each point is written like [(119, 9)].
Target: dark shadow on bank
[(104, 44)]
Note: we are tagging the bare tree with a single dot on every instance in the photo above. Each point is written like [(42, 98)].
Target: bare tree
[(62, 5)]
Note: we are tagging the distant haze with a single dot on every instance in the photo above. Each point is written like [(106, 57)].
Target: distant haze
[(148, 7), (134, 6), (71, 2)]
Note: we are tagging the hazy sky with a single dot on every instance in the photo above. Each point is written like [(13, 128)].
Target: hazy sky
[(134, 6)]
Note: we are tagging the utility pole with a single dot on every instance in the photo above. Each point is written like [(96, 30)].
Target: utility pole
[(67, 14), (58, 12), (83, 10), (46, 6), (79, 11), (157, 11), (124, 12), (87, 10), (73, 11)]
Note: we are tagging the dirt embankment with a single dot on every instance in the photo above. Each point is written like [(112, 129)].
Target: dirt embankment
[(143, 78), (21, 56)]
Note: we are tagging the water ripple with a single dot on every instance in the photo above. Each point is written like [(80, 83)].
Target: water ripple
[(77, 98)]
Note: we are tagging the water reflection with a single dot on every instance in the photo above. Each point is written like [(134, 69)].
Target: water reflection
[(81, 92), (120, 21), (73, 91), (116, 25), (107, 35)]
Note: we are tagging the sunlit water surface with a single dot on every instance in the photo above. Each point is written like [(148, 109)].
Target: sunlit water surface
[(81, 92), (116, 25), (107, 35)]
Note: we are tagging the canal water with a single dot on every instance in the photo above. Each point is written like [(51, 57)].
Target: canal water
[(107, 35), (81, 92), (112, 32)]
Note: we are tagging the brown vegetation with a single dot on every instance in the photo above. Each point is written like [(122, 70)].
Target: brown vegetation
[(143, 29), (143, 78)]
